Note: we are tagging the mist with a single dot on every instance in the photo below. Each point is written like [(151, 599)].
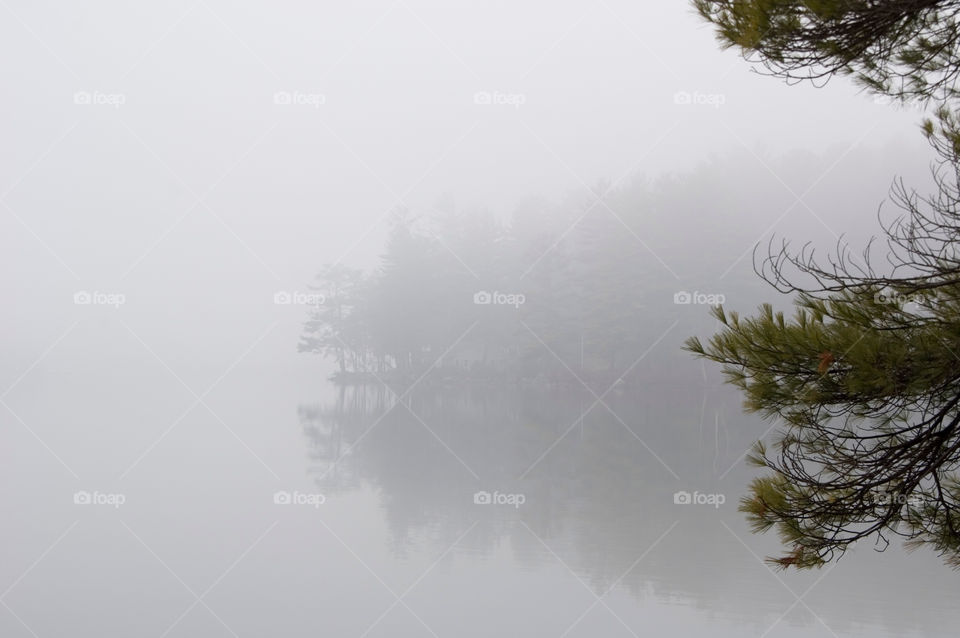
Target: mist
[(368, 320)]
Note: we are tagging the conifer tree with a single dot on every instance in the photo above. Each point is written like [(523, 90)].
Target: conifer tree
[(864, 378), (903, 48), (865, 375)]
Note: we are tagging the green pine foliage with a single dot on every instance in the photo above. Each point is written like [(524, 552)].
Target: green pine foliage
[(902, 48), (864, 377)]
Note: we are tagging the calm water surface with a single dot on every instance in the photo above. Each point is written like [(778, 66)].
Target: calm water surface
[(587, 539)]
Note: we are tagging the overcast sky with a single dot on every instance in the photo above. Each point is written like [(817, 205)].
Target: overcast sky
[(191, 153)]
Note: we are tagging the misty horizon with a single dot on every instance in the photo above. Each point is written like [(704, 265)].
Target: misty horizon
[(369, 320)]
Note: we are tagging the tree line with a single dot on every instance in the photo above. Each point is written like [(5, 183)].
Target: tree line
[(559, 291)]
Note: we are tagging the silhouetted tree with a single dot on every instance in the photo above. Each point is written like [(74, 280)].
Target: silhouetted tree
[(331, 328)]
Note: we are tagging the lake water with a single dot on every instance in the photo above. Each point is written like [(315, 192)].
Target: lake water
[(388, 532)]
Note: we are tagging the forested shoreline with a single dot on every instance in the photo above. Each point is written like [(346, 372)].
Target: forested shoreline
[(558, 294)]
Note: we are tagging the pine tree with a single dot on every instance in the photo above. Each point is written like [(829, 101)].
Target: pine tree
[(865, 378), (903, 48)]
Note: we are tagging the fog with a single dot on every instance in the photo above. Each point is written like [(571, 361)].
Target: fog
[(173, 178)]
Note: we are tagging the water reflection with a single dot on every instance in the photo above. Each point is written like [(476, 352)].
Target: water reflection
[(597, 496)]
